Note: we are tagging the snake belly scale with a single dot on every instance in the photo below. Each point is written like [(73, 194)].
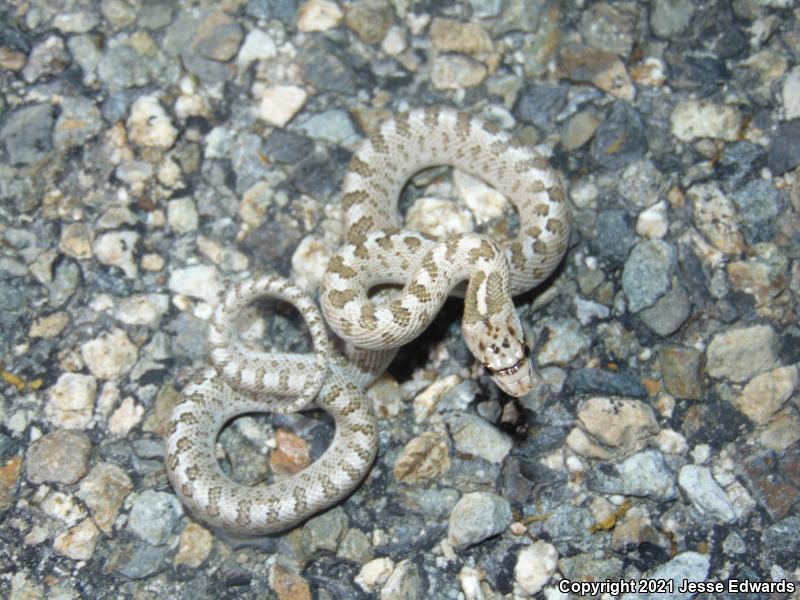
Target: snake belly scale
[(376, 251)]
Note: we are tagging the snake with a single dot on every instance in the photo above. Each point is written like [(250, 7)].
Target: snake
[(416, 273)]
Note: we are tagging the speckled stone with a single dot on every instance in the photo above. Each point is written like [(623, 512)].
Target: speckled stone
[(682, 368), (59, 457), (477, 516), (154, 515), (103, 491), (643, 474), (739, 354)]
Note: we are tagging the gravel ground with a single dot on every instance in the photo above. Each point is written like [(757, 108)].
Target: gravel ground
[(153, 152)]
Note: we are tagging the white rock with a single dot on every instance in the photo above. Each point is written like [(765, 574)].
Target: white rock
[(70, 401), (456, 72), (111, 355), (705, 493), (740, 354), (142, 309), (199, 281), (471, 583), (149, 124), (692, 119), (79, 542), (182, 215), (258, 45), (116, 249), (76, 240), (653, 222), (438, 217), (426, 401), (394, 42), (671, 442), (791, 94), (588, 310), (373, 574), (309, 262), (64, 507), (535, 566), (279, 103), (766, 394), (318, 15), (483, 200), (126, 417)]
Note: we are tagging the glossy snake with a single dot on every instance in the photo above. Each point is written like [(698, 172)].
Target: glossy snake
[(376, 252)]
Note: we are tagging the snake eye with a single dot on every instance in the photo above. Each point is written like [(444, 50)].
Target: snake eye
[(527, 350)]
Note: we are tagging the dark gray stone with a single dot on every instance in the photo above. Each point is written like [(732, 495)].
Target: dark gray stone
[(620, 138), (647, 274), (695, 72), (26, 133), (288, 147), (539, 104), (615, 235), (668, 313), (323, 68), (605, 382), (739, 161), (141, 560), (644, 475), (783, 538), (784, 147)]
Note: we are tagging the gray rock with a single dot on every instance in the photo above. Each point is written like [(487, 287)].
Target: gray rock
[(648, 273), (287, 147), (668, 313), (26, 133), (154, 515), (475, 437), (644, 474), (669, 17), (141, 560), (332, 126), (689, 566), (757, 203), (476, 517), (739, 161), (614, 235), (609, 27), (784, 147), (681, 370), (566, 339), (622, 123), (783, 538), (155, 14), (86, 53), (49, 57), (220, 42), (459, 397), (326, 529), (486, 8), (706, 495), (323, 68), (570, 527), (356, 547), (404, 583), (601, 381), (65, 282), (740, 354), (539, 104), (121, 67), (79, 120), (61, 456)]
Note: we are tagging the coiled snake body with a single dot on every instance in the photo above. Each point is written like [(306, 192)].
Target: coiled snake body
[(376, 252)]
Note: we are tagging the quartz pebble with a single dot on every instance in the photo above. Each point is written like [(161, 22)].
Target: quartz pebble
[(535, 566), (477, 516)]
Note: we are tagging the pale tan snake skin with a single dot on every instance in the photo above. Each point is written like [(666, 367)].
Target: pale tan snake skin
[(376, 252)]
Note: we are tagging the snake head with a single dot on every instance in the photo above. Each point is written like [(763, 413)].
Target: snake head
[(504, 353)]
